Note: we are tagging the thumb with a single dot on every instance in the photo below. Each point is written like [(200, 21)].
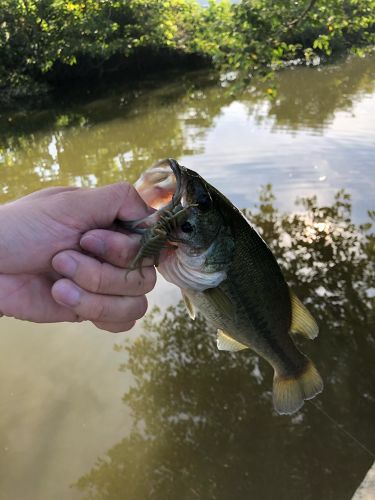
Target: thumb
[(103, 205)]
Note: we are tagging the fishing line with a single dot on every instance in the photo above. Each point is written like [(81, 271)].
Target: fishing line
[(342, 429)]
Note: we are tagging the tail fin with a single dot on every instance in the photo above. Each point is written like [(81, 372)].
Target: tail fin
[(289, 392)]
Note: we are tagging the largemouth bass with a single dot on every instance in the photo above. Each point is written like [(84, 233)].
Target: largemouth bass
[(227, 272)]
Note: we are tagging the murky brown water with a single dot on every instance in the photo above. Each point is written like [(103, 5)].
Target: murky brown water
[(179, 419)]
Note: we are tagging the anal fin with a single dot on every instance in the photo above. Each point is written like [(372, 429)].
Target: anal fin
[(226, 343), (302, 321)]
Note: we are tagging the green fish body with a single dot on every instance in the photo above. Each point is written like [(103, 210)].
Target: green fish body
[(227, 272)]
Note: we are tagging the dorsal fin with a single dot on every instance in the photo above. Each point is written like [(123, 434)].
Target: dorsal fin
[(226, 343), (302, 321), (189, 305)]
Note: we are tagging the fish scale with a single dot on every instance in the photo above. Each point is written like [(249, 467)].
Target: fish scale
[(227, 272), (267, 304)]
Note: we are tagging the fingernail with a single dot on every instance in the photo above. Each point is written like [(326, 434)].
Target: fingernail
[(93, 244), (65, 265), (68, 294)]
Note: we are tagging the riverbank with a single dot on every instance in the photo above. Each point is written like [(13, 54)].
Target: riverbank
[(47, 45)]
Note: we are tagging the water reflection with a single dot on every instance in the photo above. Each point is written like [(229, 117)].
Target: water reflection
[(203, 425), (96, 141), (329, 90), (106, 139)]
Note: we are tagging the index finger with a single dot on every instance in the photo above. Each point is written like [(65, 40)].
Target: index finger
[(115, 248)]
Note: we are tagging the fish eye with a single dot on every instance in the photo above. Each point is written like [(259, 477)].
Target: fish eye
[(186, 227), (204, 202)]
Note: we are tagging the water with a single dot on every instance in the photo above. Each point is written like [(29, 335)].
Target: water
[(198, 424)]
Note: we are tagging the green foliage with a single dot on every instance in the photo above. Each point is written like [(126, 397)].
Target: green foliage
[(40, 39), (270, 34)]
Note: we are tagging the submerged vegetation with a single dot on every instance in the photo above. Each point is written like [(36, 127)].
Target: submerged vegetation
[(45, 43), (203, 425)]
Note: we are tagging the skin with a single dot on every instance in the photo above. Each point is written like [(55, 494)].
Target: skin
[(60, 260)]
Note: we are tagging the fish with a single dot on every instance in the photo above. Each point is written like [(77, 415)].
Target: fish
[(228, 273)]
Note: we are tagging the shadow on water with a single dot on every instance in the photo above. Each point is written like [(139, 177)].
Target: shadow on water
[(203, 420), (96, 141)]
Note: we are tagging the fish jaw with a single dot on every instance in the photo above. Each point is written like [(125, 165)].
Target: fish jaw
[(199, 269), (188, 271)]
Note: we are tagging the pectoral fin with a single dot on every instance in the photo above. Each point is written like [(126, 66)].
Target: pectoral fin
[(226, 343), (221, 301), (189, 305), (302, 321)]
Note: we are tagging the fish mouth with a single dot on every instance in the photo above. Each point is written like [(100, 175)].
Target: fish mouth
[(163, 185)]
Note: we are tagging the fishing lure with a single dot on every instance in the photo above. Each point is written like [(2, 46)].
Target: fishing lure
[(158, 236)]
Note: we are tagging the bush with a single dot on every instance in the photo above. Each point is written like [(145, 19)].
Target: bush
[(40, 37), (45, 41), (268, 34)]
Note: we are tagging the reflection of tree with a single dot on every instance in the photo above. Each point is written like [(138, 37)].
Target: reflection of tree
[(309, 98), (203, 421), (109, 138)]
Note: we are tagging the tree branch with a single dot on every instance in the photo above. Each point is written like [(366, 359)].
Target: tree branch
[(303, 14)]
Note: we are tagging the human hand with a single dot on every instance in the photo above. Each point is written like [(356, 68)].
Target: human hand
[(46, 274)]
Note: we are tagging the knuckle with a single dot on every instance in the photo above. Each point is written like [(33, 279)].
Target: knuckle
[(125, 255), (103, 278), (128, 189), (66, 197), (99, 311), (129, 247), (122, 190), (120, 249), (96, 278)]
